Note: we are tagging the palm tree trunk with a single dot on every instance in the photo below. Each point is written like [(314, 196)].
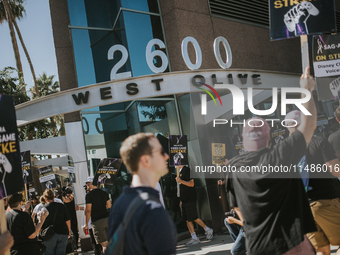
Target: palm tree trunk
[(14, 40), (27, 56)]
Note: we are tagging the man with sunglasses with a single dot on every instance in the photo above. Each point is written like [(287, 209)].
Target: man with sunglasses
[(150, 230)]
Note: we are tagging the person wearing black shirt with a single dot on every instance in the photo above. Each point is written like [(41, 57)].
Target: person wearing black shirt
[(70, 205), (188, 204), (97, 205), (276, 211), (150, 230), (60, 219), (323, 191), (22, 227), (334, 139)]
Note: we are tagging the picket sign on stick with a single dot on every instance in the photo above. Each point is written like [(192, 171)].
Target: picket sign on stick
[(304, 52), (26, 193), (3, 223), (178, 191)]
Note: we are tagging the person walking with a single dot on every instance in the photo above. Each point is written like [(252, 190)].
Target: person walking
[(323, 190), (97, 205), (22, 228), (60, 219), (188, 204), (96, 246), (274, 205), (151, 230), (70, 205)]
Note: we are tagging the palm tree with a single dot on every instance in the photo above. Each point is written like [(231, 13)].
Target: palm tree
[(12, 86), (47, 86), (27, 56), (10, 10)]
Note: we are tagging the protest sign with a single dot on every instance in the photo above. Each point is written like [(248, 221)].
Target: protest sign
[(71, 169), (218, 153), (326, 61), (107, 171), (178, 149), (47, 178), (10, 167), (26, 167), (295, 18)]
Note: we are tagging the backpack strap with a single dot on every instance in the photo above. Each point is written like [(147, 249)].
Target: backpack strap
[(135, 204)]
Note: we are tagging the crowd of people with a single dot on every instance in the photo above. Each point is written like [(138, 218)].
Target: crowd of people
[(272, 213), (30, 224)]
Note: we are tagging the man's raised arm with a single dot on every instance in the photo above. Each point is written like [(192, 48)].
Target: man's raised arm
[(308, 122)]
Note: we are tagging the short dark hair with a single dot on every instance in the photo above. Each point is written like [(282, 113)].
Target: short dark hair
[(68, 190), (133, 148), (14, 200), (337, 113)]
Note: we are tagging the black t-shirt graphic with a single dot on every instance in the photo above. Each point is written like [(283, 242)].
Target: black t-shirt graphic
[(98, 199), (276, 210), (324, 184), (187, 194)]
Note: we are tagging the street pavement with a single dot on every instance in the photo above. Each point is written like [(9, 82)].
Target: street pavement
[(219, 245)]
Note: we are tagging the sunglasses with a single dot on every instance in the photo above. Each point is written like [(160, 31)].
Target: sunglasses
[(162, 151)]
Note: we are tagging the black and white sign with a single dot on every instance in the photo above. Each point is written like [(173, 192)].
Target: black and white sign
[(26, 167), (326, 61), (47, 178), (178, 148), (292, 18), (71, 169), (10, 167), (107, 171)]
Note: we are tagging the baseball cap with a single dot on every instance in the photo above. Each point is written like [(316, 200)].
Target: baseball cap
[(293, 115), (255, 134), (89, 179)]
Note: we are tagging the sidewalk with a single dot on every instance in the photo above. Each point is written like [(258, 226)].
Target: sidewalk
[(219, 245)]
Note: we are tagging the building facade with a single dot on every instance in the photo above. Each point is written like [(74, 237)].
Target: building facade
[(133, 66)]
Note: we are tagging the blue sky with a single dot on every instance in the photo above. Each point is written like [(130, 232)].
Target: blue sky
[(36, 31)]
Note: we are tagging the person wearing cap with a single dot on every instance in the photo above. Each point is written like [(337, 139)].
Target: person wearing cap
[(150, 230), (97, 204), (276, 212), (323, 189)]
